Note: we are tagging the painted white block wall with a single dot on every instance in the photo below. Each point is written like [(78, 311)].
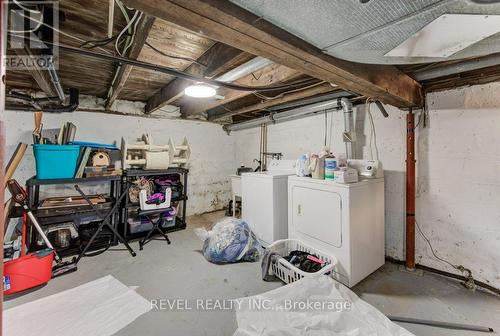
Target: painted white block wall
[(458, 172), (212, 151)]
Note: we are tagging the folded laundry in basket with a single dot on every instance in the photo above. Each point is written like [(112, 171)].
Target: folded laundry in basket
[(269, 258), (304, 261)]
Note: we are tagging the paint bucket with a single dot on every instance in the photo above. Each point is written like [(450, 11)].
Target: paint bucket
[(330, 167)]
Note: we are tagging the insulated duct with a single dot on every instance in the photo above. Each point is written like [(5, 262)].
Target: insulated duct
[(245, 69), (289, 115), (301, 112)]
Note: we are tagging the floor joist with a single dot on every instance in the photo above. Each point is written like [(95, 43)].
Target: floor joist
[(123, 71), (216, 60), (230, 24)]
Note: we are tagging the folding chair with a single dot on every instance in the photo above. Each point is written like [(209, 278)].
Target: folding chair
[(156, 225)]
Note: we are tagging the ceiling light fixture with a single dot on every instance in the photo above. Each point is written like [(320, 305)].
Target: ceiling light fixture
[(200, 91)]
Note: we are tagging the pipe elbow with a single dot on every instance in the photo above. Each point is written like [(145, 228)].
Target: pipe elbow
[(346, 104)]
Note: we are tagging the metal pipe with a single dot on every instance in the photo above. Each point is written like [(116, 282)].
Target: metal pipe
[(410, 190), (381, 108), (308, 101), (283, 116), (55, 80), (440, 324), (348, 126), (245, 69), (71, 107), (451, 69)]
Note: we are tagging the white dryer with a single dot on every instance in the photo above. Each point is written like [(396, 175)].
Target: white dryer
[(264, 200), (345, 220)]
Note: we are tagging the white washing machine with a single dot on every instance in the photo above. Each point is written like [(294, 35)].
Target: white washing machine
[(345, 220), (264, 200)]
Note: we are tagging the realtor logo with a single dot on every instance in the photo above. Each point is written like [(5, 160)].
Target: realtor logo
[(32, 35)]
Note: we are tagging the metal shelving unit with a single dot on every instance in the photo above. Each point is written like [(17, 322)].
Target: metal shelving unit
[(180, 222), (33, 186)]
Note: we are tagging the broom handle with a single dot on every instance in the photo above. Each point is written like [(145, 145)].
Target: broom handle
[(40, 231)]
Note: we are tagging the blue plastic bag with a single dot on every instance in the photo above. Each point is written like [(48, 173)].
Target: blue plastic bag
[(230, 240)]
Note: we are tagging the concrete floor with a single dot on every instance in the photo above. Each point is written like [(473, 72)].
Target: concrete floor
[(179, 270)]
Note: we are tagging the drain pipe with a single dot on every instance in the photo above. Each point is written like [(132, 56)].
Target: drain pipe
[(55, 80), (71, 107), (410, 190), (349, 135)]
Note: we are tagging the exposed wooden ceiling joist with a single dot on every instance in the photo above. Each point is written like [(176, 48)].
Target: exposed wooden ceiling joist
[(218, 59), (122, 72), (230, 24), (285, 98), (41, 76), (270, 75)]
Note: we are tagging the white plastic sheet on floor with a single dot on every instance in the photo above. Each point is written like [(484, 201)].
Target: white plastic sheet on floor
[(281, 313), (100, 307)]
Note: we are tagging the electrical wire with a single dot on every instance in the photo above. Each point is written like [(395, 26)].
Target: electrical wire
[(129, 24), (288, 92), (176, 72), (174, 56), (56, 30), (373, 133), (419, 120), (127, 20), (326, 125), (134, 31), (469, 283), (25, 8)]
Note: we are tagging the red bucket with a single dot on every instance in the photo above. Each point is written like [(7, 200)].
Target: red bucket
[(28, 271)]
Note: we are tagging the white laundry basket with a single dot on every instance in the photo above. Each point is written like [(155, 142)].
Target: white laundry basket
[(288, 272)]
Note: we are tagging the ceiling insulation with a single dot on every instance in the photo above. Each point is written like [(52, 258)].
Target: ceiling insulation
[(364, 33)]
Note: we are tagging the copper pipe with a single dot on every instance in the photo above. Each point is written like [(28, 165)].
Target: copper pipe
[(410, 190)]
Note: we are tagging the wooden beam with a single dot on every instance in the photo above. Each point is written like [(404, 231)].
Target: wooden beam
[(41, 77), (123, 71), (285, 98), (228, 23), (216, 60), (272, 74)]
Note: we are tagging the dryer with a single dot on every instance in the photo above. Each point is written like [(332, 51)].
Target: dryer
[(345, 220), (265, 202)]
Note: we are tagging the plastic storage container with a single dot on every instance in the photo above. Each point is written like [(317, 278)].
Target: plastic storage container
[(55, 161), (140, 224), (289, 273), (28, 271)]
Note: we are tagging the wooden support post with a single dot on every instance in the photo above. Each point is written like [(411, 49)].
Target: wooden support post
[(410, 190)]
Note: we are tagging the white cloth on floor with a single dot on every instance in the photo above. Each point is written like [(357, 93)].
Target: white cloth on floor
[(100, 307), (272, 313)]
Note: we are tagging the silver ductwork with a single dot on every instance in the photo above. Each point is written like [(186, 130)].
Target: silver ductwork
[(349, 134), (247, 68)]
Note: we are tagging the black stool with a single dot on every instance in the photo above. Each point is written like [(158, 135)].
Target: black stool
[(156, 225)]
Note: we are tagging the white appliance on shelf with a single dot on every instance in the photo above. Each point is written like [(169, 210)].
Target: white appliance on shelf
[(265, 202), (344, 220)]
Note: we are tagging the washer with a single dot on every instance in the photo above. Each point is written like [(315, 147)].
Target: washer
[(344, 220), (265, 201)]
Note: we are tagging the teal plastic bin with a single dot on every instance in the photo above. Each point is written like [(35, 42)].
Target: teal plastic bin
[(55, 161)]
